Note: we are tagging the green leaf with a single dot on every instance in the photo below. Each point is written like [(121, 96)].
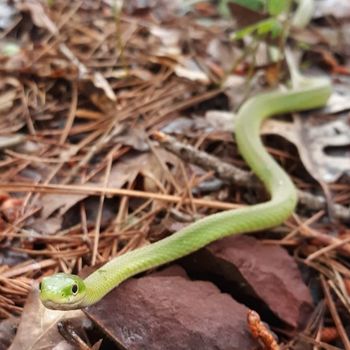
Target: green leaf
[(275, 7), (268, 26), (255, 5)]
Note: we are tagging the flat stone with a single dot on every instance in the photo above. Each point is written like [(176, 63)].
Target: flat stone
[(166, 310), (262, 271)]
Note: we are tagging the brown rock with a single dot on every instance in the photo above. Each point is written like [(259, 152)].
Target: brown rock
[(266, 272), (167, 311)]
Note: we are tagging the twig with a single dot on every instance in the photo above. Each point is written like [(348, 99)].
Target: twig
[(20, 270), (260, 331), (337, 244), (99, 214), (335, 315), (96, 191), (236, 176), (71, 114)]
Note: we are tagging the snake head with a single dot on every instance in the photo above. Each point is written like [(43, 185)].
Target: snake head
[(62, 291)]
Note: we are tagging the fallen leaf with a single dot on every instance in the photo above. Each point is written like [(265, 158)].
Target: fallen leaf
[(169, 38), (101, 82), (313, 138), (223, 53), (179, 126), (38, 14), (7, 99), (7, 13), (47, 226), (163, 10), (8, 331), (244, 15), (315, 142), (336, 8), (11, 140), (135, 137), (340, 98), (124, 171), (84, 73), (38, 326), (189, 69)]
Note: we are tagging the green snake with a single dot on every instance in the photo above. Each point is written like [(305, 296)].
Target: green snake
[(65, 291)]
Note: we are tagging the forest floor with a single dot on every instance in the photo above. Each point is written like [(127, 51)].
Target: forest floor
[(117, 130)]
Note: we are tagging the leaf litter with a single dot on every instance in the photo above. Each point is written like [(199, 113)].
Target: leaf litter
[(83, 178)]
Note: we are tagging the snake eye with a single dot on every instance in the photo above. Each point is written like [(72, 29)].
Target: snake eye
[(39, 285), (74, 289)]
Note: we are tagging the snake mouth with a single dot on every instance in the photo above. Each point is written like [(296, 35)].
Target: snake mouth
[(50, 304)]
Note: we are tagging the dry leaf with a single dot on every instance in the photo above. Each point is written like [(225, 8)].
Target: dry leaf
[(336, 8), (101, 82), (137, 138), (7, 99), (6, 14), (124, 171), (7, 331), (312, 138), (189, 69), (243, 15), (11, 140), (38, 14), (222, 52), (38, 326), (169, 38), (340, 98)]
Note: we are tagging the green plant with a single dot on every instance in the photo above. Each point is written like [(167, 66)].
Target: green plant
[(271, 26)]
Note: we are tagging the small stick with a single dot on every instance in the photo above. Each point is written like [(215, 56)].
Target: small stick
[(335, 315), (97, 190), (236, 176), (261, 332)]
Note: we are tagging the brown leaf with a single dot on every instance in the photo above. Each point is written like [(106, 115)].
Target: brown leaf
[(38, 329), (189, 69), (38, 14), (7, 332), (336, 8), (122, 172), (243, 15), (7, 100), (163, 10), (11, 140), (321, 145), (313, 139), (223, 53)]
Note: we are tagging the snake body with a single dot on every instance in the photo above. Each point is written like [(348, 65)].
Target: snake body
[(65, 291)]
